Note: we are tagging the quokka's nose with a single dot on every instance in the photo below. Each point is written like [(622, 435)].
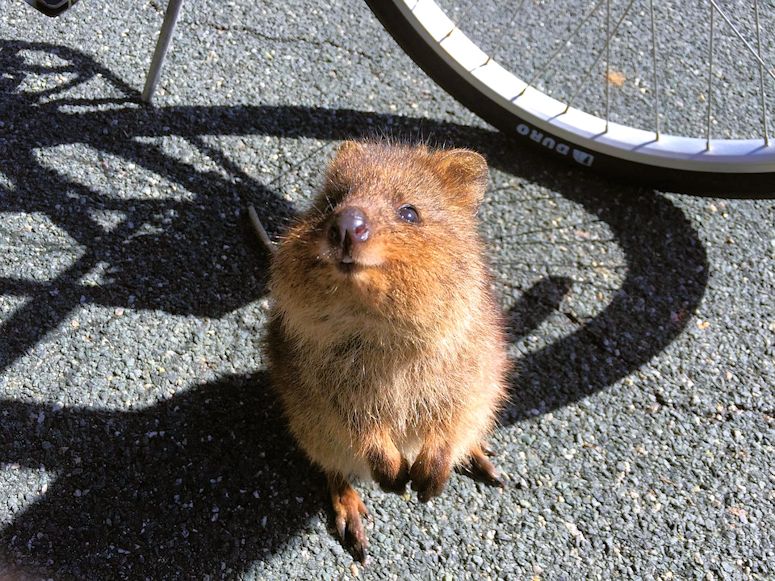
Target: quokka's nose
[(348, 227)]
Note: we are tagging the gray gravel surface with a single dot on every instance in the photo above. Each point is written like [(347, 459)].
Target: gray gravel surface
[(138, 435)]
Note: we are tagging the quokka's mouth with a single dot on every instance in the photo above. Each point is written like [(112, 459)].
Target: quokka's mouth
[(349, 266), (349, 262)]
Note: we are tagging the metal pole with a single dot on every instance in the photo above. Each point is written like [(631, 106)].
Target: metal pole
[(165, 36)]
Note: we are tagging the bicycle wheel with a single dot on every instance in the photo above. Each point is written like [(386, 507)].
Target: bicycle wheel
[(699, 165)]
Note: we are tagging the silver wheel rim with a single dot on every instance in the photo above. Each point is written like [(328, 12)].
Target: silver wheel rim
[(572, 132)]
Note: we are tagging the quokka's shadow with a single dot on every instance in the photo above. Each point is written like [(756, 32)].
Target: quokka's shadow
[(183, 487)]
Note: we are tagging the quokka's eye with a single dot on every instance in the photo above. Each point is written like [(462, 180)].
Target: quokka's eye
[(408, 213)]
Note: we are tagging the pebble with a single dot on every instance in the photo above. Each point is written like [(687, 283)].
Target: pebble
[(159, 333)]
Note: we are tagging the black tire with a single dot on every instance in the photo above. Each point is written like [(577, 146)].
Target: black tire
[(742, 184)]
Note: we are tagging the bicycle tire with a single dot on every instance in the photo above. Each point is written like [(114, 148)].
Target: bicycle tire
[(736, 168)]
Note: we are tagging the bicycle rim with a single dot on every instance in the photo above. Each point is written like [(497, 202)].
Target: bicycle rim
[(479, 82)]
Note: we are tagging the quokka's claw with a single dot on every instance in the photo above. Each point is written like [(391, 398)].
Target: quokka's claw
[(480, 467)]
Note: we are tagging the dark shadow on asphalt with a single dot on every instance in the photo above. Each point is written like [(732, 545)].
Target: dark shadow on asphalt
[(167, 488), (198, 484)]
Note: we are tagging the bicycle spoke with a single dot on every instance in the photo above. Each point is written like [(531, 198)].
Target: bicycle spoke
[(314, 153), (742, 38), (761, 73), (566, 242), (509, 26), (654, 63), (585, 265), (506, 280), (560, 48), (583, 81), (553, 228), (607, 63), (657, 132), (465, 13), (710, 77)]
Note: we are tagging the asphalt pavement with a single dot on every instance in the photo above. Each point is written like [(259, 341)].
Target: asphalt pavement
[(139, 438)]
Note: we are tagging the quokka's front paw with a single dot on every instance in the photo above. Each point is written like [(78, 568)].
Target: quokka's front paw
[(395, 481), (430, 473)]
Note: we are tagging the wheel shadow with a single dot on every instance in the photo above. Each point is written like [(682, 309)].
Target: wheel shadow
[(185, 485), (666, 276)]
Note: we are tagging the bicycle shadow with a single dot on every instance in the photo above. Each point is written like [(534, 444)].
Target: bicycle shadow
[(125, 505), (665, 280), (158, 492)]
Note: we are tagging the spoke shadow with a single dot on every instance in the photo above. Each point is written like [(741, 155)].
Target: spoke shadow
[(119, 508), (666, 277)]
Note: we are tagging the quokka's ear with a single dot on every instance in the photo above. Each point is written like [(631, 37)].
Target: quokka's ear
[(464, 175)]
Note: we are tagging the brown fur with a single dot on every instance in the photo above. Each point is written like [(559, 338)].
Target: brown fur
[(396, 369)]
